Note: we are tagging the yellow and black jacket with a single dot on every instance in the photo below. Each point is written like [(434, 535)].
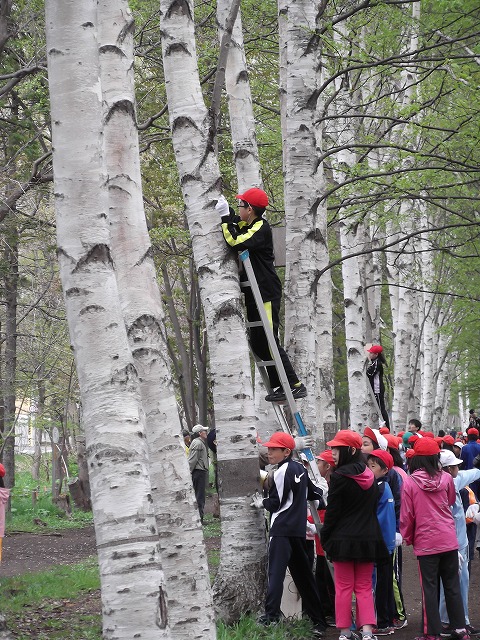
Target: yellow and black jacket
[(257, 238)]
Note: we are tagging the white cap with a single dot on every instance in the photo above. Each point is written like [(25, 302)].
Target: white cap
[(199, 427), (449, 459), (459, 444)]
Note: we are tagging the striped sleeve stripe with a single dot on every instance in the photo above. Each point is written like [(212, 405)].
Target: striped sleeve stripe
[(245, 236)]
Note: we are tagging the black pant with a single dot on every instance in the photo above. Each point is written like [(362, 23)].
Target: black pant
[(325, 586), (384, 603), (291, 552), (199, 479), (380, 398), (259, 343), (432, 568)]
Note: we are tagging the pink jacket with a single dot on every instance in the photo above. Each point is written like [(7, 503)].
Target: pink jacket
[(4, 495), (426, 520)]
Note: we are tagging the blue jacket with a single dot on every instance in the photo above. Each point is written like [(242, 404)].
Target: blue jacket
[(386, 514), (462, 480)]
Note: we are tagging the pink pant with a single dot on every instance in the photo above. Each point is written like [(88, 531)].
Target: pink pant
[(353, 577)]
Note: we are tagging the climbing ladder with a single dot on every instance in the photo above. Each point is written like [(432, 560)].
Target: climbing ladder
[(277, 362)]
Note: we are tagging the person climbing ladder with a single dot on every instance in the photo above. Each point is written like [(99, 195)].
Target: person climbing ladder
[(250, 230)]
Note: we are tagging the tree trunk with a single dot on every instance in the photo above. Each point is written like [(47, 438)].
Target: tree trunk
[(239, 583), (306, 213), (133, 592), (181, 537), (10, 370)]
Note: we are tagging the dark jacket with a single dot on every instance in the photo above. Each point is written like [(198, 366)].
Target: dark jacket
[(351, 530), (375, 369), (287, 499), (257, 238)]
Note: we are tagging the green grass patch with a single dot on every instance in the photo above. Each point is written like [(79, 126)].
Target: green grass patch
[(66, 581)]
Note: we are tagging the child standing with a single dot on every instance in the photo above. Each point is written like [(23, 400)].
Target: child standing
[(4, 496), (351, 535), (426, 522), (287, 503), (380, 462)]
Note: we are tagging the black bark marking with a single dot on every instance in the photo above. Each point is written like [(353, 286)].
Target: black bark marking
[(162, 619), (88, 25), (122, 106), (177, 47), (92, 308), (98, 253), (183, 121), (75, 292), (179, 7)]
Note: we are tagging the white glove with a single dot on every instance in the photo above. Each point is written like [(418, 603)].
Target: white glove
[(311, 527), (263, 476), (222, 207), (257, 501), (303, 442), (398, 539), (461, 560), (472, 511)]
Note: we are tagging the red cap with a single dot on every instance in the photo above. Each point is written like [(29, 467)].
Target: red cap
[(384, 430), (255, 197), (2, 471), (448, 440), (384, 456), (326, 456), (438, 440), (375, 348), (346, 438), (400, 434), (409, 453), (428, 434), (426, 447), (369, 433), (413, 438), (472, 431), (280, 440), (393, 441)]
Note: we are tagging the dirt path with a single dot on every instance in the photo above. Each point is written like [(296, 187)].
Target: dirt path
[(28, 552)]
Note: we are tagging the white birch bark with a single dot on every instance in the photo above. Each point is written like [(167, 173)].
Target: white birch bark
[(401, 301), (240, 107), (352, 238), (240, 580), (306, 316), (133, 593), (173, 498)]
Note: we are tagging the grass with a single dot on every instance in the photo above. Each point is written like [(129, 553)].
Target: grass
[(62, 582), (43, 515)]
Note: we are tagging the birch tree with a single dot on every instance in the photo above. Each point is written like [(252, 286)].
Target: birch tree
[(173, 499), (239, 582), (306, 217), (133, 590)]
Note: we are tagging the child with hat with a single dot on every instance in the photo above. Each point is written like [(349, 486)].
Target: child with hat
[(351, 535), (250, 230), (380, 462), (375, 377), (461, 479), (4, 496), (426, 522), (323, 572), (286, 501)]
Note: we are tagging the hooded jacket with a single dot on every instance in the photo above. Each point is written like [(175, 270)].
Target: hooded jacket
[(426, 520), (351, 530), (4, 495)]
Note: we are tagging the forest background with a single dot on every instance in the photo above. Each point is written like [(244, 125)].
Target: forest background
[(359, 119)]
